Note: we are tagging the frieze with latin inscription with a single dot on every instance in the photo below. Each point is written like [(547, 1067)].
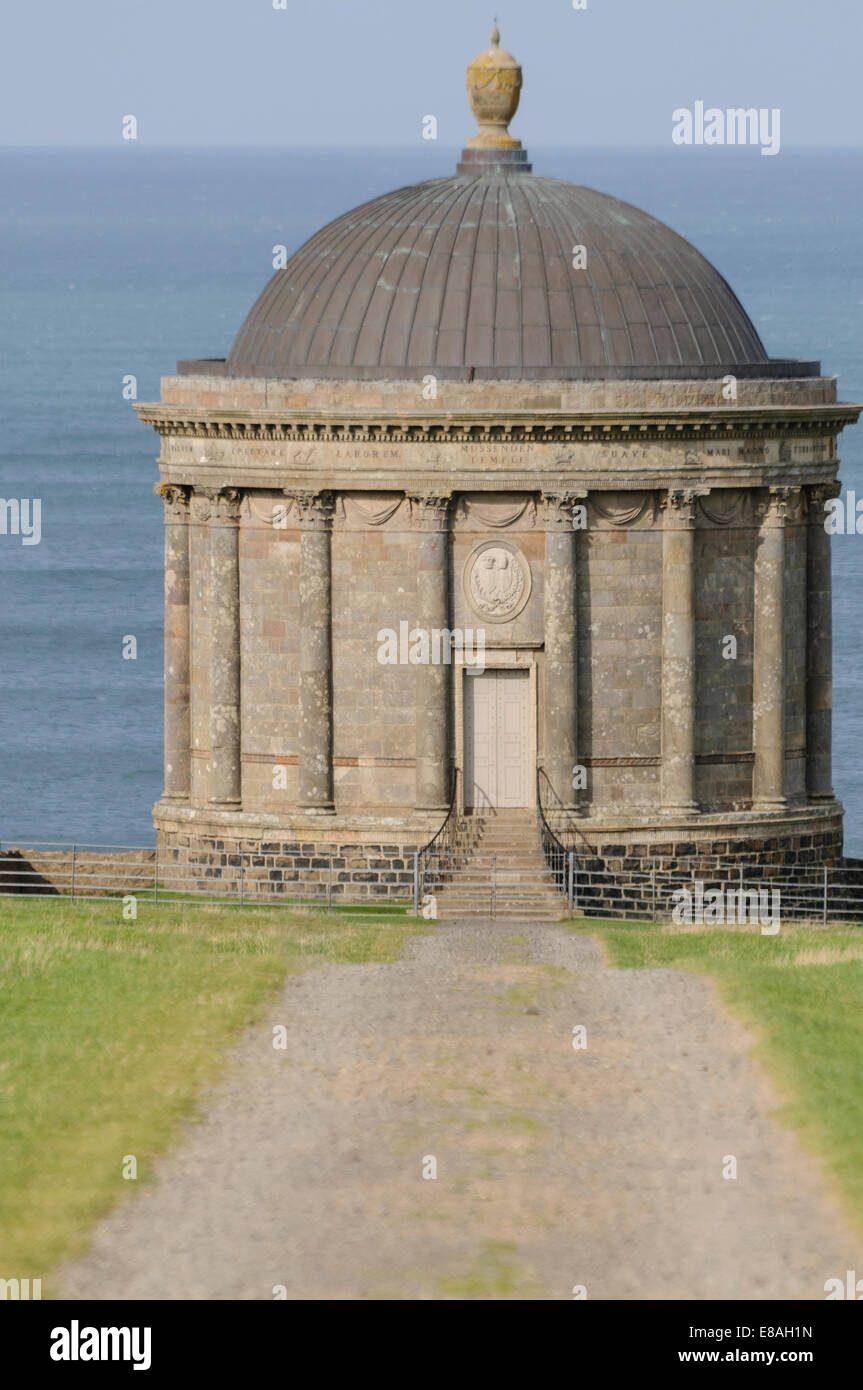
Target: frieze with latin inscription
[(597, 458)]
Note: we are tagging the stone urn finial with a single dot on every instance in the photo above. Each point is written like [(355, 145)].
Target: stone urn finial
[(494, 87)]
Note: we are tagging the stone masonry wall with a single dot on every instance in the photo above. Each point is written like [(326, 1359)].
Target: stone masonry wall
[(374, 588), (724, 559), (341, 870), (619, 598), (636, 879)]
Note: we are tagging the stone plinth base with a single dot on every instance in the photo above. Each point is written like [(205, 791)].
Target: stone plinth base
[(635, 871), (805, 835), (320, 858), (333, 859)]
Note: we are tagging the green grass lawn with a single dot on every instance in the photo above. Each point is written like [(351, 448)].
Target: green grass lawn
[(801, 993), (109, 1029)]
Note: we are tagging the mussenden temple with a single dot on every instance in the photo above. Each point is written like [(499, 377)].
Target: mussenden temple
[(496, 403)]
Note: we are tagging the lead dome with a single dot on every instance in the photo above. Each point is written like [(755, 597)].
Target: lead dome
[(472, 276)]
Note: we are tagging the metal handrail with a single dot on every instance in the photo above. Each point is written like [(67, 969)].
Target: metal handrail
[(428, 848), (558, 856), (443, 842), (542, 823), (579, 835)]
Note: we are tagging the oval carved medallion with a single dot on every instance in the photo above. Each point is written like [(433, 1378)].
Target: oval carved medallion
[(496, 581)]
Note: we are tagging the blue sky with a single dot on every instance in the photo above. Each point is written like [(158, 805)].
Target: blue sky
[(365, 72)]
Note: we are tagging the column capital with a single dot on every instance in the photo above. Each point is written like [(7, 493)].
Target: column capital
[(430, 510), (219, 506), (176, 499), (558, 504), (677, 505), (314, 508), (778, 504), (817, 495)]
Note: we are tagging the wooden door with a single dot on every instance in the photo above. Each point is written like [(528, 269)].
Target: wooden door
[(497, 739)]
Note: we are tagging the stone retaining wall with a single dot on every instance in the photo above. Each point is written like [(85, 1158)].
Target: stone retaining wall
[(340, 870)]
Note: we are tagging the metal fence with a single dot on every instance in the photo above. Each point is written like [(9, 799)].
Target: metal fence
[(494, 885), (705, 890), (713, 893), (248, 878), (458, 874)]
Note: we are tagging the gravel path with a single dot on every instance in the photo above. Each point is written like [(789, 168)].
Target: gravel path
[(600, 1167)]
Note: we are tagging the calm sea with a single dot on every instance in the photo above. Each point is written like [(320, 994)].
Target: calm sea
[(118, 262)]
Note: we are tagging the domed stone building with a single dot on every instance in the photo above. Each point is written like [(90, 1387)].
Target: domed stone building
[(496, 496)]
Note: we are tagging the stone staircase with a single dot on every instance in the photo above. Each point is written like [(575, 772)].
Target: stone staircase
[(504, 874)]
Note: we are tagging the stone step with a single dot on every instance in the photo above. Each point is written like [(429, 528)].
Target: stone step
[(482, 902), (470, 888), (505, 829), (483, 854), (505, 863), (488, 827), (501, 872), (499, 916), (516, 899), (528, 884), (516, 860), (519, 859), (506, 914), (523, 883), (514, 914), (523, 889), (484, 851), (519, 847)]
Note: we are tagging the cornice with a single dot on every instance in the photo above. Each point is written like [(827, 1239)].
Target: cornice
[(498, 426)]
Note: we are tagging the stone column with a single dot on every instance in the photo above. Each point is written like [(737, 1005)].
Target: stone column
[(225, 768), (315, 715), (560, 693), (819, 647), (177, 720), (677, 782), (768, 658), (433, 685)]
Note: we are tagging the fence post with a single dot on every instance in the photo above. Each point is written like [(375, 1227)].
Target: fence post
[(74, 847), (653, 887), (156, 876), (416, 883), (493, 883), (242, 878), (330, 885), (571, 880), (824, 909)]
